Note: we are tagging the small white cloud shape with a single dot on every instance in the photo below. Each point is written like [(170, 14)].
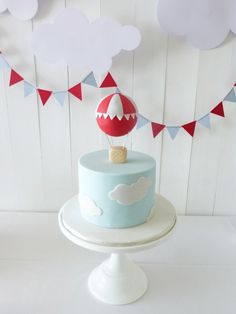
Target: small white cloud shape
[(88, 207), (77, 42), (126, 194), (21, 9), (204, 23)]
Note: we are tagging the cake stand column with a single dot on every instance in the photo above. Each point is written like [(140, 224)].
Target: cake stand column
[(117, 280)]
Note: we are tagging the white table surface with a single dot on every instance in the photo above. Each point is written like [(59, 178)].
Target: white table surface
[(193, 271)]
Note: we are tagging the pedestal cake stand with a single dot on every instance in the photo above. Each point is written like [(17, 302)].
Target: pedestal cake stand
[(117, 280)]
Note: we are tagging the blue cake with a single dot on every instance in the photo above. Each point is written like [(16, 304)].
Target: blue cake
[(113, 195)]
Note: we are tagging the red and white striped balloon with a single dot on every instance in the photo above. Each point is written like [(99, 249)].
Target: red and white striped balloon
[(116, 114)]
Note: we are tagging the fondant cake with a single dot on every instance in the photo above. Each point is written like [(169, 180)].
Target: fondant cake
[(113, 195)]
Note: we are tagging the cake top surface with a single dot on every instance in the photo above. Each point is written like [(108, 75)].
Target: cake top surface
[(98, 161)]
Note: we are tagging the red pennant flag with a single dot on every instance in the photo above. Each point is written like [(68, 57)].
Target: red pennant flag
[(157, 128), (219, 110), (76, 91), (108, 81), (190, 127), (234, 84), (15, 78), (44, 95)]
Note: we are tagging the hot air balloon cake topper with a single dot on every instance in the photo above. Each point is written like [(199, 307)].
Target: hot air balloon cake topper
[(116, 115)]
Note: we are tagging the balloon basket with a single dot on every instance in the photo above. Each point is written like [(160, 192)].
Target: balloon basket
[(117, 154)]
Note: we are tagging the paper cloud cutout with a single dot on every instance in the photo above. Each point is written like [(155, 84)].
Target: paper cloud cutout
[(204, 23), (88, 207), (129, 194), (77, 42), (21, 9)]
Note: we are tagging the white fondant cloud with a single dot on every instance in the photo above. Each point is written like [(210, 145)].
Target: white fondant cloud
[(77, 42), (204, 23), (87, 206), (21, 9), (126, 194)]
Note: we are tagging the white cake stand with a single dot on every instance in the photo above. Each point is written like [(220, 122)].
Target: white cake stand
[(117, 280)]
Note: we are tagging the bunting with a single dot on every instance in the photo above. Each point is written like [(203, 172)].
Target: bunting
[(157, 128), (90, 80), (219, 110), (108, 82), (205, 121), (60, 96), (28, 89), (44, 95), (173, 131), (231, 96), (117, 91), (15, 78), (76, 91), (3, 63), (190, 127), (142, 121)]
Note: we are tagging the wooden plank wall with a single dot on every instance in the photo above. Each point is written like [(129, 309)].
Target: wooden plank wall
[(171, 82)]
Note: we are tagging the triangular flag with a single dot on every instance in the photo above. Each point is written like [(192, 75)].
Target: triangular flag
[(219, 110), (190, 127), (108, 81), (44, 95), (76, 91), (157, 128), (90, 80), (205, 121), (15, 78), (3, 63), (28, 89), (60, 96), (231, 96), (173, 130), (117, 91), (142, 121)]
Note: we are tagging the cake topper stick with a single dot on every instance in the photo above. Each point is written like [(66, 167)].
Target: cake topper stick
[(116, 115)]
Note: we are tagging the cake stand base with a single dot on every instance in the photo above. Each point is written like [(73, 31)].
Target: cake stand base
[(117, 280)]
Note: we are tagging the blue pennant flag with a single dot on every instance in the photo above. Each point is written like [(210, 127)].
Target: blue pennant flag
[(205, 121), (90, 80), (142, 121), (173, 130), (60, 96), (3, 63), (231, 96), (28, 89)]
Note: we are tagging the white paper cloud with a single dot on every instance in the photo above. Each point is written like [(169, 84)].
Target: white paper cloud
[(126, 194), (77, 42), (88, 207), (204, 23), (21, 9)]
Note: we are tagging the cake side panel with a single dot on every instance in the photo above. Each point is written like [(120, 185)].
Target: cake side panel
[(116, 201)]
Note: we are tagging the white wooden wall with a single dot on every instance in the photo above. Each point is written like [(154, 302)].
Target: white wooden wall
[(169, 80)]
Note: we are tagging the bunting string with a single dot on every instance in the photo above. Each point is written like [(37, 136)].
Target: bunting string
[(109, 82)]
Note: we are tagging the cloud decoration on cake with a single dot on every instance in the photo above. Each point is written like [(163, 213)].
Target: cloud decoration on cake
[(72, 39), (204, 23), (126, 194), (21, 9), (88, 207)]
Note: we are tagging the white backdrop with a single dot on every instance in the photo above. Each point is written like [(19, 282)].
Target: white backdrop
[(170, 82)]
